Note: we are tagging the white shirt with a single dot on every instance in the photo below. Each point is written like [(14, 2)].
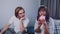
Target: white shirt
[(50, 24), (17, 23), (42, 28)]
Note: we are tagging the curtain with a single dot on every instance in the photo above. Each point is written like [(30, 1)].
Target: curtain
[(53, 7)]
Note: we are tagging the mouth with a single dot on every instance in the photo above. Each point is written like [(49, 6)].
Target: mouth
[(23, 15)]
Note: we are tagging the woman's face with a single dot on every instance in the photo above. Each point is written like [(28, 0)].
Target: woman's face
[(42, 13), (21, 13)]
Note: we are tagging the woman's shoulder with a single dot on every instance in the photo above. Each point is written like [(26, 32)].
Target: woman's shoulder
[(13, 17), (51, 19)]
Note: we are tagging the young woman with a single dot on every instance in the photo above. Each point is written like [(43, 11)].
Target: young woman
[(19, 20), (44, 24)]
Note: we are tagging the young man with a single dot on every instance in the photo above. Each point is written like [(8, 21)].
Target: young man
[(19, 20)]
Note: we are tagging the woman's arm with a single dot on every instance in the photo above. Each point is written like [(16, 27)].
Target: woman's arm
[(37, 27), (7, 25), (38, 30), (22, 27), (22, 24), (46, 29), (5, 28)]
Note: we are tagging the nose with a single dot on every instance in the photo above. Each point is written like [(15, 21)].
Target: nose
[(23, 14)]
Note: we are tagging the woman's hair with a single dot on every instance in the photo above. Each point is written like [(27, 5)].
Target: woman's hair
[(43, 8), (17, 10)]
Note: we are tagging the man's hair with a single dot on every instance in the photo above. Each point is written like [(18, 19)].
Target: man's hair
[(17, 10)]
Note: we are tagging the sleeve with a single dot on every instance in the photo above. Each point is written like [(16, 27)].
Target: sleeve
[(11, 20), (52, 26), (36, 25)]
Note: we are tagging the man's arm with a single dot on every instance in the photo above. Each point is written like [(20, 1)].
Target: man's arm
[(5, 28)]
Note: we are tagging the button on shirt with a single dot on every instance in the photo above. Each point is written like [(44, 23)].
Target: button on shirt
[(17, 23)]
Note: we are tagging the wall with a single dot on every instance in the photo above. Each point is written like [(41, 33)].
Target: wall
[(7, 8)]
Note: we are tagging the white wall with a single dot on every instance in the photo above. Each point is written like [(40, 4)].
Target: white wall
[(7, 8)]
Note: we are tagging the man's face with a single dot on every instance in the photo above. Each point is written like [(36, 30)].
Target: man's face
[(21, 13)]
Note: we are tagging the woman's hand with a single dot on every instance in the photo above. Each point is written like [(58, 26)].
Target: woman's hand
[(42, 20), (22, 18), (0, 33)]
